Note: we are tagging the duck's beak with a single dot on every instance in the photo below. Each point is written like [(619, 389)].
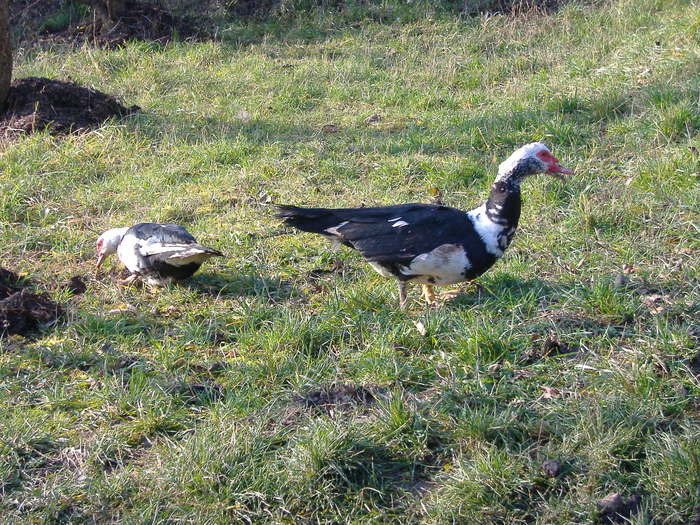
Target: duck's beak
[(100, 259), (555, 170)]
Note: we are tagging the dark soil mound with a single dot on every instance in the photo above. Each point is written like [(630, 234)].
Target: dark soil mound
[(22, 311), (35, 104)]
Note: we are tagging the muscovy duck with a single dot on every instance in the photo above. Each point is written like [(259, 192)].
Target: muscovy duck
[(432, 244), (158, 252)]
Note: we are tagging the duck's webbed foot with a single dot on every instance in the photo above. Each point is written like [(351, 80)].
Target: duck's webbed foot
[(129, 280), (472, 287), (429, 294), (448, 295)]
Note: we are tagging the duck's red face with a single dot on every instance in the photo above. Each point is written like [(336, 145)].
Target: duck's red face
[(553, 167), (100, 252)]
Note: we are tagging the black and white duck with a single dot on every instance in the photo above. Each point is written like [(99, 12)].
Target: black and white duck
[(432, 244), (157, 252)]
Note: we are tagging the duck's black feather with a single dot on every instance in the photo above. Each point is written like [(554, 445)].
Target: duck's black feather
[(379, 234)]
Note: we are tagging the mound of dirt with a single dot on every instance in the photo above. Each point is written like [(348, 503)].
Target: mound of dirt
[(21, 310), (35, 104)]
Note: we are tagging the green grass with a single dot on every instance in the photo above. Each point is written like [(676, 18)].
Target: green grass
[(188, 405)]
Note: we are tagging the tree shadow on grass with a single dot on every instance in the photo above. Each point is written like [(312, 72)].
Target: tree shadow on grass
[(259, 131), (241, 23), (257, 21), (482, 136)]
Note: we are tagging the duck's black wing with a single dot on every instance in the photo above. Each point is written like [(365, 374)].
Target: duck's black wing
[(388, 234)]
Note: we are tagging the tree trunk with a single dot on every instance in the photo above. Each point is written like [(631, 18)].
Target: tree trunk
[(5, 52), (109, 11)]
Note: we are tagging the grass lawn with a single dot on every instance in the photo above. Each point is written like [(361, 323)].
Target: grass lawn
[(282, 384)]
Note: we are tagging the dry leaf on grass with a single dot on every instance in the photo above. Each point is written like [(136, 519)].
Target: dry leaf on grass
[(421, 328)]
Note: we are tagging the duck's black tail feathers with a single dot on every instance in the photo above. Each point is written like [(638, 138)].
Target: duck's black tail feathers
[(314, 220)]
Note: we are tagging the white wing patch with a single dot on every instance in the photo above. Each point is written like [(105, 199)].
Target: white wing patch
[(397, 222), (176, 254), (334, 229), (446, 264)]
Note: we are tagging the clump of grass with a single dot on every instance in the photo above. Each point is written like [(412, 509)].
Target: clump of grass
[(678, 121)]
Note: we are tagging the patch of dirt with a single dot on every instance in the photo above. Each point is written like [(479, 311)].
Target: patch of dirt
[(210, 367), (195, 393), (551, 468), (613, 508), (553, 346), (547, 347), (76, 285), (36, 104), (694, 364), (338, 267), (22, 311), (9, 283), (327, 399), (330, 400)]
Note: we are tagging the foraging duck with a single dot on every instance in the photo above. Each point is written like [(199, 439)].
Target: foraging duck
[(158, 252), (432, 244)]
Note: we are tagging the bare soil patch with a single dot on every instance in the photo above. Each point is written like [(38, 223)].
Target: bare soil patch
[(36, 104), (329, 400), (332, 397), (76, 285), (22, 311), (548, 346), (613, 508)]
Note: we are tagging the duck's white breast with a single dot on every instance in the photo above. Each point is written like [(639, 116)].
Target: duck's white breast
[(128, 253), (491, 233), (446, 264)]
